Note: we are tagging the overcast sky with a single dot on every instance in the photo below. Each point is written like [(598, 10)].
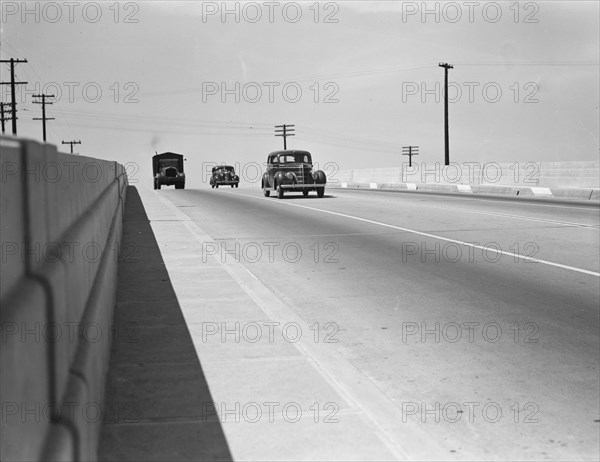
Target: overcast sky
[(358, 79)]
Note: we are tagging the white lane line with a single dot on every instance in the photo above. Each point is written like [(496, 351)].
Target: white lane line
[(518, 217), (433, 236), (249, 272)]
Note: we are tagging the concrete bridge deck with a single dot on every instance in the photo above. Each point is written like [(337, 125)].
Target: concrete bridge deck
[(370, 377)]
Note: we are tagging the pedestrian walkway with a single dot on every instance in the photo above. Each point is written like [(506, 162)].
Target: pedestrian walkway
[(155, 382)]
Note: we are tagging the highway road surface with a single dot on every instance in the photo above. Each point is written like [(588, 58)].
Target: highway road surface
[(390, 325)]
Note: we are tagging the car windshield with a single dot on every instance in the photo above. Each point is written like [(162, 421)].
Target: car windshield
[(294, 158)]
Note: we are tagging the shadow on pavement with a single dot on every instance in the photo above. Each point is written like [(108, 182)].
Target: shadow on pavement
[(156, 392), (292, 196)]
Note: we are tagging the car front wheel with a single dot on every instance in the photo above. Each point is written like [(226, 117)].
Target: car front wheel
[(320, 192), (279, 192)]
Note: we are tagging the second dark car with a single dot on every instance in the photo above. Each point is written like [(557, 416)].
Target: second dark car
[(224, 175)]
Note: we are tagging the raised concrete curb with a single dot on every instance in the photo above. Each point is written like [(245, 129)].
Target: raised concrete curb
[(580, 194), (562, 180), (61, 228)]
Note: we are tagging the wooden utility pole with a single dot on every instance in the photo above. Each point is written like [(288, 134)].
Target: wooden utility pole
[(3, 117), (43, 102), (71, 143), (12, 84), (284, 130), (410, 151), (446, 66)]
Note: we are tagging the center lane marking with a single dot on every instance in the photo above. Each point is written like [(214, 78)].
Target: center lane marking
[(434, 236)]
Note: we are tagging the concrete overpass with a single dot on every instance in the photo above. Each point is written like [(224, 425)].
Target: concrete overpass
[(367, 325)]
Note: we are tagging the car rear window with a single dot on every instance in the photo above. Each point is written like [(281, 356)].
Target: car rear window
[(291, 158)]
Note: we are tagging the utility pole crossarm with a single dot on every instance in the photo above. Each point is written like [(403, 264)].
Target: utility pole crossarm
[(3, 116), (284, 130), (71, 143), (410, 151)]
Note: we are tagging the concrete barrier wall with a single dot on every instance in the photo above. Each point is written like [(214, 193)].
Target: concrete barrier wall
[(61, 219), (579, 180)]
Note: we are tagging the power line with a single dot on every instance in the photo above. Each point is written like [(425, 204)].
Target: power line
[(66, 132), (9, 53), (12, 84), (352, 141), (530, 63), (144, 119), (5, 43), (43, 102)]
